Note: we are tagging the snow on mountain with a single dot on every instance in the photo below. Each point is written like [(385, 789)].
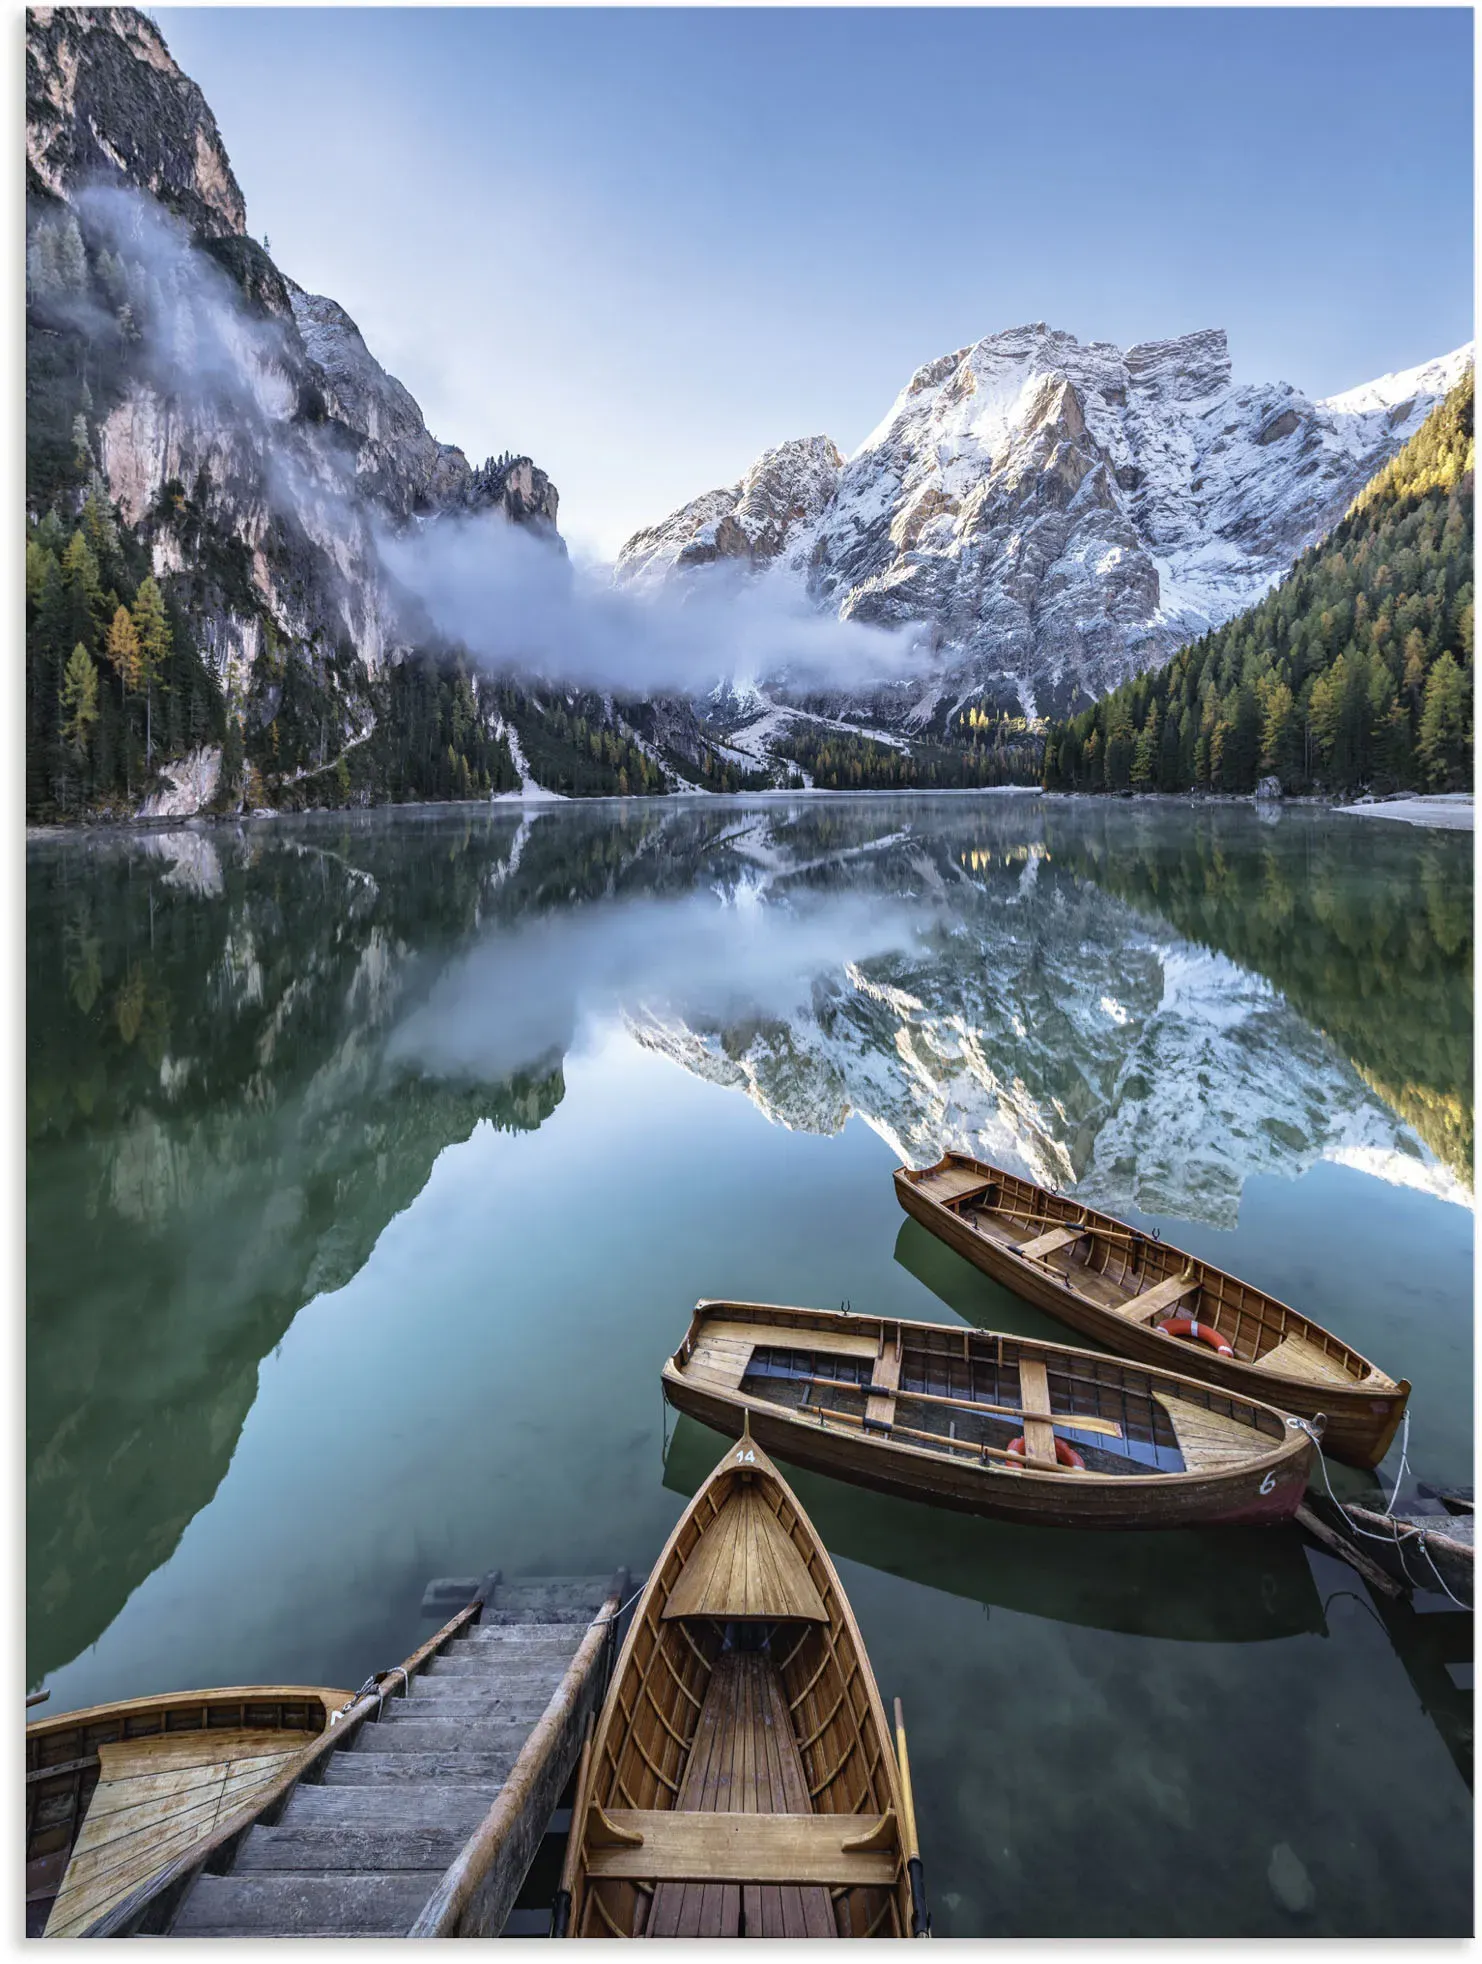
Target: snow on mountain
[(786, 489), (1064, 515), (1041, 1026)]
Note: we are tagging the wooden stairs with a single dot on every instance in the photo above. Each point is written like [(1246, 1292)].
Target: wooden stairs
[(381, 1835)]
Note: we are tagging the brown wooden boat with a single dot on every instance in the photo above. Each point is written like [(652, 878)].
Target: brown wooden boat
[(115, 1793), (1125, 1288), (989, 1424), (742, 1780)]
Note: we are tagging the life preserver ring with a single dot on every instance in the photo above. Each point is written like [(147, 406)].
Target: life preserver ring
[(1065, 1455), (1185, 1326)]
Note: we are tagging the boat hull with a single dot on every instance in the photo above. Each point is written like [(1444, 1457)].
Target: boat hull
[(1267, 1488), (1360, 1423)]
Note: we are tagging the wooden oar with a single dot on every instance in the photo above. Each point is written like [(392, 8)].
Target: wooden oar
[(952, 1445), (1085, 1227), (1105, 1425), (920, 1918)]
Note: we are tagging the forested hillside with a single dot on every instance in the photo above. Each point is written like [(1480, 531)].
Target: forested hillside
[(1356, 671)]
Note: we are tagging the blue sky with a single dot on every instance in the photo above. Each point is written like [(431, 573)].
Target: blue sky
[(644, 245)]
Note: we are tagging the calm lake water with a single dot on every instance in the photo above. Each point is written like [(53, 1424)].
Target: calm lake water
[(376, 1162)]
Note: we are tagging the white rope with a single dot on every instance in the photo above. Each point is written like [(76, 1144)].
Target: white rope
[(597, 1620), (1404, 1461), (1393, 1539)]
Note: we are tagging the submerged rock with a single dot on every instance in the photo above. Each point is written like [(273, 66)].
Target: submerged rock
[(1290, 1883)]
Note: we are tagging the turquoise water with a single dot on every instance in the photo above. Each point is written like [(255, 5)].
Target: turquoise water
[(375, 1164)]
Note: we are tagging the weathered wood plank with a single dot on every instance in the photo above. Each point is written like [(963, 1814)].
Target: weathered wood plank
[(409, 1844), (396, 1734), (303, 1905), (459, 1809), (352, 1769)]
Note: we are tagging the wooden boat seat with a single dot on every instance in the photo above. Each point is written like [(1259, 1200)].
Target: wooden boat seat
[(744, 1761), (670, 1845), (953, 1183), (1046, 1244), (746, 1568), (1299, 1357), (1034, 1397), (879, 1412), (1147, 1303)]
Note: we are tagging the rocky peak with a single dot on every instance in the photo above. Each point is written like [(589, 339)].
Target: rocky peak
[(1185, 369), (1062, 513), (785, 491), (105, 101)]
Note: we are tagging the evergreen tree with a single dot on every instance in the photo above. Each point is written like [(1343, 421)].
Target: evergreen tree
[(79, 699), (155, 646)]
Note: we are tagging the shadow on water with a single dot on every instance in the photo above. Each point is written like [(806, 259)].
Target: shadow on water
[(1219, 1585)]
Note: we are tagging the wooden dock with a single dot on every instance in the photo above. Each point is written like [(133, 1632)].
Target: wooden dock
[(423, 1808)]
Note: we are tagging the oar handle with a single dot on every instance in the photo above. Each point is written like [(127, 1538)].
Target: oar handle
[(920, 1916), (561, 1908)]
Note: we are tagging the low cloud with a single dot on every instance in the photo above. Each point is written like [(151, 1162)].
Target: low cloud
[(519, 604)]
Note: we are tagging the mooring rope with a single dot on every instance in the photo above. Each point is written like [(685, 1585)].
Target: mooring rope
[(1394, 1538)]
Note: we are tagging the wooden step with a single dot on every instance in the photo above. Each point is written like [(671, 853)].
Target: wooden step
[(304, 1905), (351, 1769), (411, 1844), (526, 1636), (458, 1809), (468, 1698), (413, 1734), (494, 1667)]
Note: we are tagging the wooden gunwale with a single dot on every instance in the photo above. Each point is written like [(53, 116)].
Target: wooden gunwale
[(960, 1473), (1362, 1414)]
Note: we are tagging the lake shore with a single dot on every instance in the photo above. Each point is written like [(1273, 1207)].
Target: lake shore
[(1445, 811)]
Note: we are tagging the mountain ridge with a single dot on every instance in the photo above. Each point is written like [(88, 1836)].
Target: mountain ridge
[(1061, 514)]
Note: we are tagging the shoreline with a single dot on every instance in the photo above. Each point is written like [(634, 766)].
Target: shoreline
[(1446, 811), (1442, 811)]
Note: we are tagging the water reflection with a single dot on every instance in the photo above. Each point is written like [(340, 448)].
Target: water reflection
[(1228, 1585), (246, 1050)]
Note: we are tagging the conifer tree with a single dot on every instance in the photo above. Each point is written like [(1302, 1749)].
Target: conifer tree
[(153, 630), (79, 700)]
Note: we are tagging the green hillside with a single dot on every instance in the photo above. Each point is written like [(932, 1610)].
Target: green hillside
[(1356, 670)]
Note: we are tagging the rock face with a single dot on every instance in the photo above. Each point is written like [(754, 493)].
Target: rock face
[(786, 491), (104, 100), (241, 425), (1064, 515)]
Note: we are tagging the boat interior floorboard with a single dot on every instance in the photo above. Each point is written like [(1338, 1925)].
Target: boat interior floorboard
[(744, 1759)]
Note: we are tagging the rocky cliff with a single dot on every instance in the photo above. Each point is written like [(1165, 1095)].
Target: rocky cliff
[(244, 434), (1061, 515)]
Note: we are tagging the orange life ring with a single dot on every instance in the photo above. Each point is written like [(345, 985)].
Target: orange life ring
[(1185, 1326), (1065, 1455)]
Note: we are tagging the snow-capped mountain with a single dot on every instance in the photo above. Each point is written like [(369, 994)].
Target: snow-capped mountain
[(1039, 1023), (1061, 515)]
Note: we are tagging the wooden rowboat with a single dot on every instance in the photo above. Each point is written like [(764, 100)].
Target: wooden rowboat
[(1123, 1287), (990, 1424), (742, 1779), (116, 1793)]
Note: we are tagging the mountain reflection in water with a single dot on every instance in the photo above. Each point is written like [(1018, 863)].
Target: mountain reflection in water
[(247, 1048)]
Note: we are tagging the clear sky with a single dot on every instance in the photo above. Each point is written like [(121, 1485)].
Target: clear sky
[(644, 245)]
